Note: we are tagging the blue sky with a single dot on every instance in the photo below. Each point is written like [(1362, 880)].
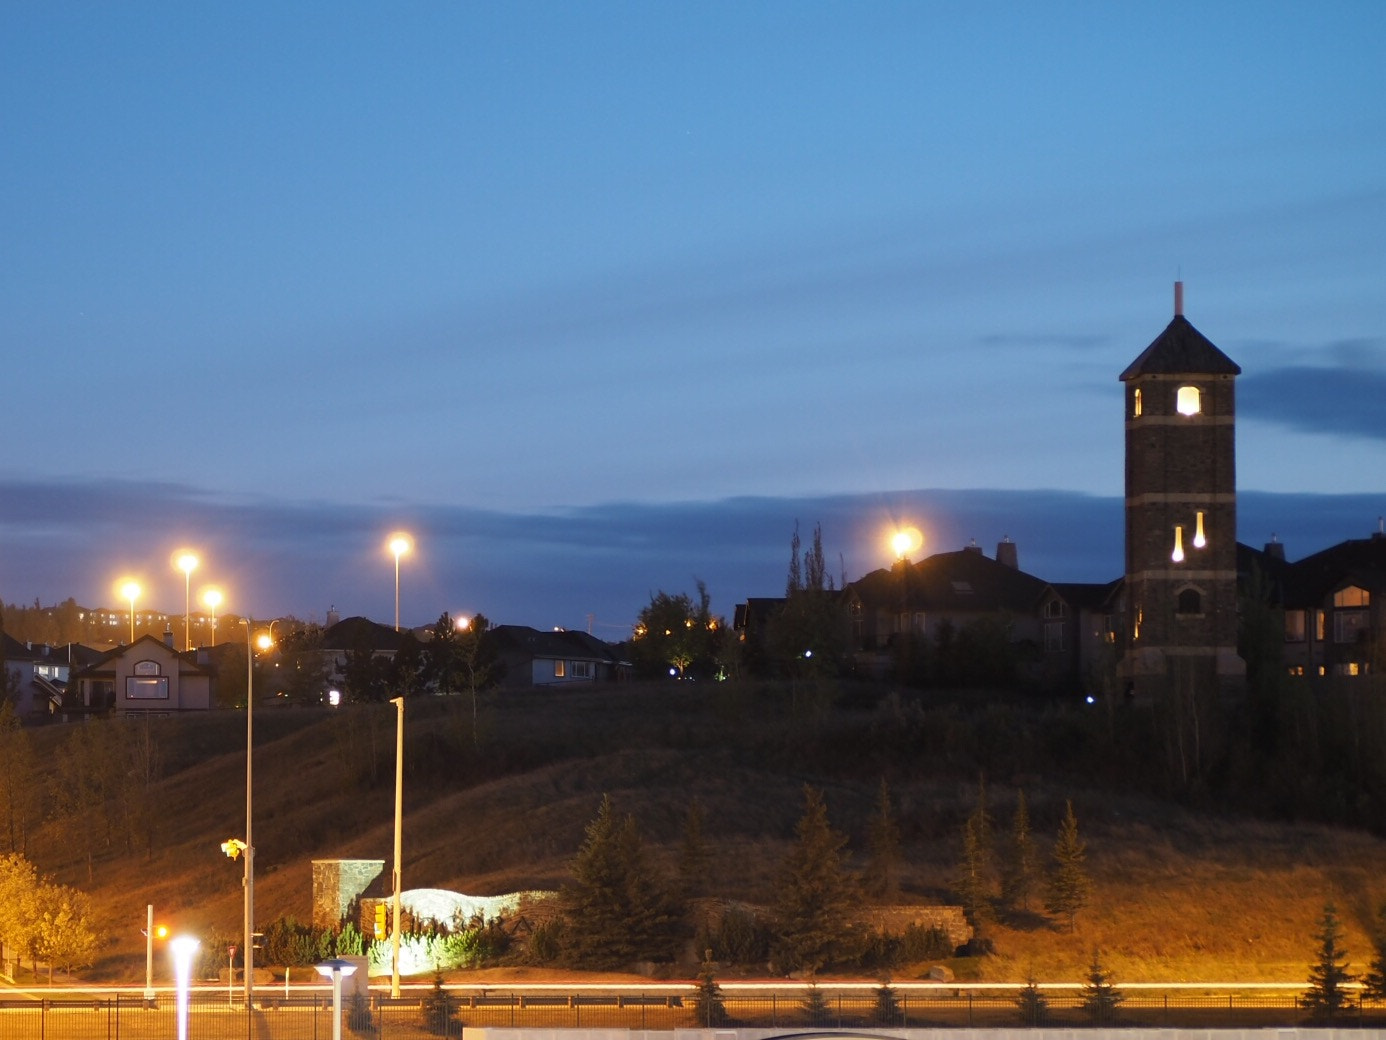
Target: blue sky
[(600, 298)]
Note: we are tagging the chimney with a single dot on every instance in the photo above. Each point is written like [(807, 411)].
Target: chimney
[(168, 636), (1007, 553), (973, 547), (1178, 299), (333, 617), (1275, 549)]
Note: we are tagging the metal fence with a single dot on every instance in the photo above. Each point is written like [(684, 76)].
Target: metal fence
[(305, 1015)]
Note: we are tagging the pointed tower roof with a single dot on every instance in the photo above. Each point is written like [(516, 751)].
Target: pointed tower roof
[(1181, 350)]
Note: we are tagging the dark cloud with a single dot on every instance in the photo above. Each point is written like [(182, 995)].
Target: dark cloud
[(595, 565), (1344, 399)]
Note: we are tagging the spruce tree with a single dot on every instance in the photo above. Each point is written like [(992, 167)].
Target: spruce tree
[(815, 1006), (814, 893), (1100, 996), (886, 1010), (974, 878), (617, 907), (708, 1005), (883, 848), (1329, 975), (1032, 1005), (1374, 981), (1020, 867), (1069, 884)]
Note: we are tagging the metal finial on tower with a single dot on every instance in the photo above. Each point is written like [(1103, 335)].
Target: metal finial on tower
[(1179, 299)]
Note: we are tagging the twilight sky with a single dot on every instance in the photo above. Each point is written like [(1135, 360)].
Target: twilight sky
[(599, 298)]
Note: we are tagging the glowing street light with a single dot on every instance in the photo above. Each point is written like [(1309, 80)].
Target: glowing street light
[(336, 969), (399, 544), (131, 590), (905, 541), (213, 599), (187, 563)]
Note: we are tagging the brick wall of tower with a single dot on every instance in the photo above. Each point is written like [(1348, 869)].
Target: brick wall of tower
[(1177, 466)]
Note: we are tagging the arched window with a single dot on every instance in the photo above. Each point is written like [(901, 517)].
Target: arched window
[(1189, 401), (1136, 404), (1189, 602)]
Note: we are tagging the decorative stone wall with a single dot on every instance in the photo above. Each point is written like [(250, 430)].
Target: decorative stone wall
[(337, 884)]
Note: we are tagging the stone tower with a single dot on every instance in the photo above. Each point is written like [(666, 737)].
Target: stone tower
[(1181, 515)]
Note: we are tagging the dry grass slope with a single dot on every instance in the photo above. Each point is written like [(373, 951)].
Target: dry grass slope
[(1178, 896)]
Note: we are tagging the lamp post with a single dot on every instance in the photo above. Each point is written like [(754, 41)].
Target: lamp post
[(187, 563), (398, 702), (336, 969), (249, 879), (150, 934), (399, 544), (131, 590), (212, 598)]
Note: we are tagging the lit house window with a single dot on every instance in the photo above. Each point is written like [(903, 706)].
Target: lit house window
[(1189, 401), (560, 669), (1351, 616)]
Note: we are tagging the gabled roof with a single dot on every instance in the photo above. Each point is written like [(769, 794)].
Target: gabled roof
[(1181, 350), (962, 581), (1086, 595), (102, 664), (1357, 561)]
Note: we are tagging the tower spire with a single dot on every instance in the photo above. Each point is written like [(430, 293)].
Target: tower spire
[(1179, 299)]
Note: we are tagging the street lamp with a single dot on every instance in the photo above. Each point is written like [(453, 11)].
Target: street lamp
[(267, 640), (150, 934), (131, 590), (905, 541), (398, 702), (212, 598), (336, 969), (399, 544), (187, 563)]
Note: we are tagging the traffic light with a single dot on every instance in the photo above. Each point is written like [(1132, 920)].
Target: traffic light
[(380, 920)]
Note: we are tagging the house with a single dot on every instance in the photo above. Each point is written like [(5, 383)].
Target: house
[(1057, 630), (147, 677), (1334, 603), (528, 657), (39, 673)]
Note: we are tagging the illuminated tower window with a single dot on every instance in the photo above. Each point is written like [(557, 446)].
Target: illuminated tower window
[(1199, 541), (1178, 555), (1189, 401), (1136, 405)]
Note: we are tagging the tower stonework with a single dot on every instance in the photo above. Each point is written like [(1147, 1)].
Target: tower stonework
[(1181, 515)]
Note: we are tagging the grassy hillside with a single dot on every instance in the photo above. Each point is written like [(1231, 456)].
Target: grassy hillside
[(1179, 894)]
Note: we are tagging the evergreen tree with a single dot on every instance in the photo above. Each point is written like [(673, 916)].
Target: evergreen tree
[(1020, 866), (1100, 996), (886, 1011), (1328, 976), (1374, 981), (883, 849), (709, 1008), (814, 893), (617, 906), (1032, 1005), (1069, 884), (438, 1009), (815, 1006), (974, 880)]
